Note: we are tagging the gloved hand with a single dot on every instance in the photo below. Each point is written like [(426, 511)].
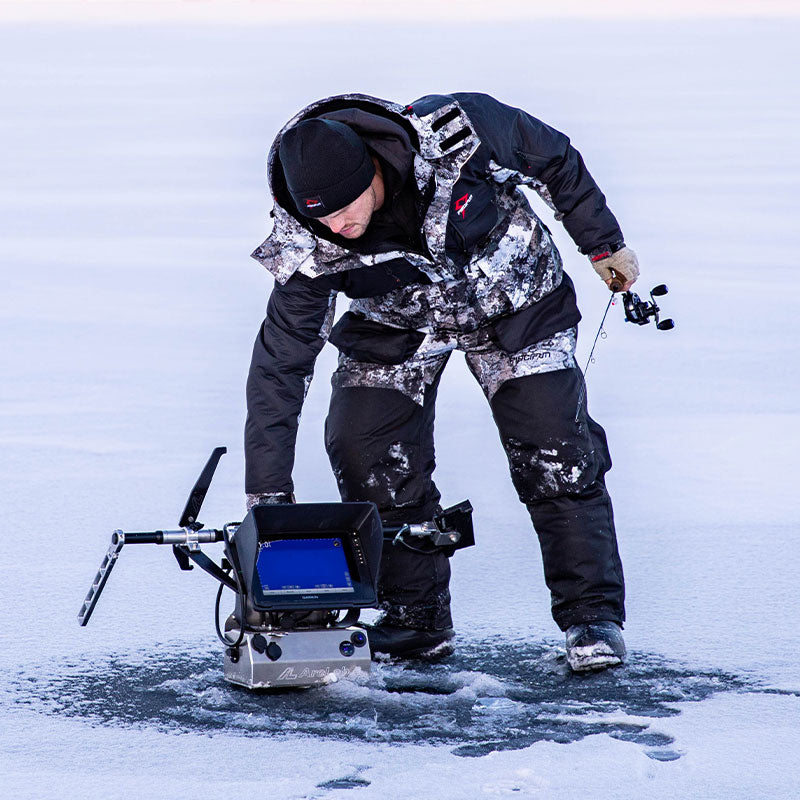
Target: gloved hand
[(619, 270), (268, 498)]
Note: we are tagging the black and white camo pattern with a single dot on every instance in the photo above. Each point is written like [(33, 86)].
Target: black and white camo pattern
[(444, 167), (517, 266), (491, 366), (515, 178)]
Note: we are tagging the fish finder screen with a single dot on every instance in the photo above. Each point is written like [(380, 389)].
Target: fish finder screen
[(291, 566)]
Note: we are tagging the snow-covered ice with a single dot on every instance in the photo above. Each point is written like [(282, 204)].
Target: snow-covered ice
[(131, 193)]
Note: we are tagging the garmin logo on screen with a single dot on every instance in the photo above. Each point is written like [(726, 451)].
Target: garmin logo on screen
[(310, 597)]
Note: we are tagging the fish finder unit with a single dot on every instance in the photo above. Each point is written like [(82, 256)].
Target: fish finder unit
[(309, 556), (301, 573)]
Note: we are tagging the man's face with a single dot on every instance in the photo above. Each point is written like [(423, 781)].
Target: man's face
[(351, 221)]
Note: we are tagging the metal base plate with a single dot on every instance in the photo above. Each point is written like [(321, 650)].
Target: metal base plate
[(298, 659)]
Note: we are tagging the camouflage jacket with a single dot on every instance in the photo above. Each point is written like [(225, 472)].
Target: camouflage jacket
[(486, 259)]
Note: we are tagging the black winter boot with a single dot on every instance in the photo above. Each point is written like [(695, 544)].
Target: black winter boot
[(595, 645), (388, 640)]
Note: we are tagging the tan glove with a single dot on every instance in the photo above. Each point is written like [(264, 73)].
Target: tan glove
[(619, 270)]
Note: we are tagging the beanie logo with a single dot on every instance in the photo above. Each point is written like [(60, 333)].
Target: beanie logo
[(461, 205), (314, 202)]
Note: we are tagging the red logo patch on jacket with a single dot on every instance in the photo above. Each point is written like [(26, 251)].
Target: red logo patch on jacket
[(461, 205)]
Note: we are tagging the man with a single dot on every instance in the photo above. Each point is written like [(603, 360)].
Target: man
[(415, 213)]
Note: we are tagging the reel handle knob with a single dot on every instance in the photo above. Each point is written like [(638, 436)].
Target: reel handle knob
[(660, 290), (665, 325)]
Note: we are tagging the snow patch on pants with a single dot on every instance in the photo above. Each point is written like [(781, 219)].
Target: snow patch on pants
[(419, 616), (542, 472), (390, 475)]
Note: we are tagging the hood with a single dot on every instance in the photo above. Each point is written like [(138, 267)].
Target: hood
[(379, 123), (434, 146)]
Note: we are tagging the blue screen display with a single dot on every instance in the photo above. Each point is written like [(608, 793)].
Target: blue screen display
[(290, 566)]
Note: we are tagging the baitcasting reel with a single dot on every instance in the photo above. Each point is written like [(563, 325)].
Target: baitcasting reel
[(639, 311)]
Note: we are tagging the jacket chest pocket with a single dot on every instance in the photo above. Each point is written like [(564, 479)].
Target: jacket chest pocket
[(473, 213)]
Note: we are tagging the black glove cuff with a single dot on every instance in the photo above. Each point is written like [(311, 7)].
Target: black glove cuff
[(605, 251)]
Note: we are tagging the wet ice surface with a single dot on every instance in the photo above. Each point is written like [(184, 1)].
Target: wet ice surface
[(132, 192), (490, 695)]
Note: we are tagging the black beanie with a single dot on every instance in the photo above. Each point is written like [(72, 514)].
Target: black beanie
[(326, 165)]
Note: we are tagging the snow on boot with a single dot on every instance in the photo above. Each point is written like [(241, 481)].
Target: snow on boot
[(595, 645), (387, 640)]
